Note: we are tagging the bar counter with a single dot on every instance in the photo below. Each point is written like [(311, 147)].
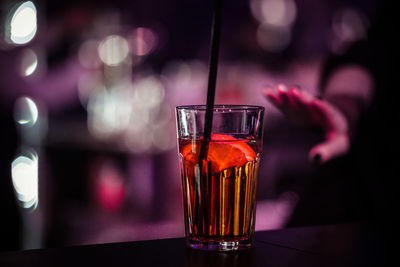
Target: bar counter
[(349, 244)]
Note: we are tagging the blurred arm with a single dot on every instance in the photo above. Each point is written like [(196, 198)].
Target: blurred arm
[(348, 93)]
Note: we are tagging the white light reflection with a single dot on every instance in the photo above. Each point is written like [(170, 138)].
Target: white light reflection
[(29, 62), (113, 50), (23, 23), (102, 110), (24, 173), (25, 111), (150, 118), (109, 110), (278, 13)]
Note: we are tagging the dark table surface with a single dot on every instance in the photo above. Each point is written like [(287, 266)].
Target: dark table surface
[(351, 244)]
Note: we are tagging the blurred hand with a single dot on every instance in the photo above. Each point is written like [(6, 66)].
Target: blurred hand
[(306, 109)]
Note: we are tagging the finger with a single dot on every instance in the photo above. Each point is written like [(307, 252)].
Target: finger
[(293, 97), (302, 96), (298, 106), (283, 94), (273, 97), (333, 118), (333, 147), (303, 100), (318, 116), (322, 107), (300, 102), (313, 113)]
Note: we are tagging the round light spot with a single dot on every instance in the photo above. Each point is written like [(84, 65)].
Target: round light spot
[(113, 50), (23, 24)]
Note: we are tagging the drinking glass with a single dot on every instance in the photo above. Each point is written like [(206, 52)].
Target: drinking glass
[(219, 180)]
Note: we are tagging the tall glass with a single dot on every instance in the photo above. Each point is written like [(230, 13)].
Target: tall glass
[(219, 184)]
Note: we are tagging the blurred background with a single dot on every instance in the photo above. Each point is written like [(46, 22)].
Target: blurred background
[(87, 96)]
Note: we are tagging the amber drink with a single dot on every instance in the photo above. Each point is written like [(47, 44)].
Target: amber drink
[(219, 186)]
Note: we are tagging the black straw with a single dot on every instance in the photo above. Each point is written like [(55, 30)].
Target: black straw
[(212, 77)]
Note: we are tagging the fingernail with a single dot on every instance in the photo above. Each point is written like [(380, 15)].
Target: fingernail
[(282, 88), (317, 160)]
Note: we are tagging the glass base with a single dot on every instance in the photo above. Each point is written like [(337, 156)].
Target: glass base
[(221, 246)]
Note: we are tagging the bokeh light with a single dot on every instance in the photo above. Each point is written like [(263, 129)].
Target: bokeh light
[(134, 115), (113, 50), (87, 84), (273, 39), (162, 136), (29, 62), (138, 140), (108, 111), (179, 69), (276, 18), (148, 92), (180, 76), (25, 111), (278, 13), (88, 55), (151, 118), (143, 41), (109, 187), (349, 25), (23, 23), (24, 173)]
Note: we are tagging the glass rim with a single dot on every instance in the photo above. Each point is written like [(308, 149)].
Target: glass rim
[(222, 108)]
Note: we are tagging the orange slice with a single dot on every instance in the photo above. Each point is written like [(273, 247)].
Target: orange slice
[(229, 152)]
